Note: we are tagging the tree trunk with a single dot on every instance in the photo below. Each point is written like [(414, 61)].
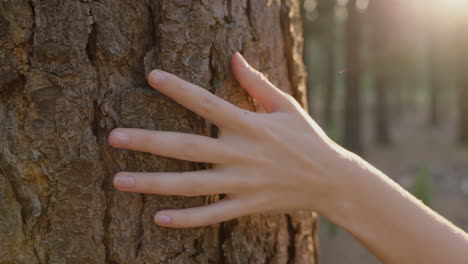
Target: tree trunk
[(435, 70), (463, 108), (352, 116), (308, 58), (71, 71), (381, 48), (382, 128), (462, 80), (327, 14)]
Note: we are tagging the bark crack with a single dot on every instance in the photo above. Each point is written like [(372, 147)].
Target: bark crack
[(253, 30), (91, 46), (152, 25), (91, 52), (221, 240), (15, 195), (292, 41), (292, 244), (142, 231), (285, 24), (106, 218), (228, 19), (315, 238), (33, 28)]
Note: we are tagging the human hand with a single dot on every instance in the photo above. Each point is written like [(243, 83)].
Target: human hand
[(275, 161)]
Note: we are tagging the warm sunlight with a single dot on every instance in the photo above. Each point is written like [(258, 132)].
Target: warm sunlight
[(455, 5)]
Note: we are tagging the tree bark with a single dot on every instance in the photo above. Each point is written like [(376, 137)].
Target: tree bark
[(352, 117), (71, 71)]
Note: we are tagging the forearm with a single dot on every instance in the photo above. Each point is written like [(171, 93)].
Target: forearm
[(392, 223)]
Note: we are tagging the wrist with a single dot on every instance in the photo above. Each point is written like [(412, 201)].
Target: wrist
[(353, 180)]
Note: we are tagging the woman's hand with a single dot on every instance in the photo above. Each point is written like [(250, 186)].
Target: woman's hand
[(263, 162), (278, 161)]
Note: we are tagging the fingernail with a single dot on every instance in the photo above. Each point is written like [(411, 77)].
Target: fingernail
[(121, 138), (162, 219), (156, 76), (124, 181)]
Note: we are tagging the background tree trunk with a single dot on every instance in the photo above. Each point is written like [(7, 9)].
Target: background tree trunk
[(70, 71), (327, 14), (352, 117), (382, 39), (462, 79), (435, 80)]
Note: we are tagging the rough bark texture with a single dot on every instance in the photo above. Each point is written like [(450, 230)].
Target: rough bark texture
[(70, 71)]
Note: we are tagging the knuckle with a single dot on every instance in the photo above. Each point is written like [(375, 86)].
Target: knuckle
[(234, 155), (253, 123), (258, 159), (191, 187), (245, 120), (208, 103), (189, 149), (254, 182), (289, 97), (153, 184), (260, 76), (264, 203), (268, 131), (245, 182), (213, 219), (290, 101)]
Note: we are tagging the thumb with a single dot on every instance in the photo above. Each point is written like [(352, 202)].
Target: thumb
[(255, 83)]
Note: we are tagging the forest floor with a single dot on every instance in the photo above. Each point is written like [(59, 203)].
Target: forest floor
[(416, 147)]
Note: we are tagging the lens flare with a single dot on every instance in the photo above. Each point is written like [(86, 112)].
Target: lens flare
[(452, 9), (456, 5)]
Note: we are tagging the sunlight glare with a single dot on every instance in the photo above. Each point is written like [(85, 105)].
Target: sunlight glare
[(455, 5)]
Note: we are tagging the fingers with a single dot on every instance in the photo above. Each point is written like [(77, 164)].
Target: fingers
[(267, 95), (194, 183), (197, 99), (220, 211), (182, 146)]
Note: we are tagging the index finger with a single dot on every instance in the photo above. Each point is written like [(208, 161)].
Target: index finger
[(197, 99)]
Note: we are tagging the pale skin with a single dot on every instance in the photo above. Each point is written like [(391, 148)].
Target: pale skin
[(281, 160)]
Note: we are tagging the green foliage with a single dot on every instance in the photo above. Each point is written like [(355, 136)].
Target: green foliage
[(423, 185)]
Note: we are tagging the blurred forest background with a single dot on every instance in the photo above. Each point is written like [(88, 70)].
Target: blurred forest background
[(388, 79)]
